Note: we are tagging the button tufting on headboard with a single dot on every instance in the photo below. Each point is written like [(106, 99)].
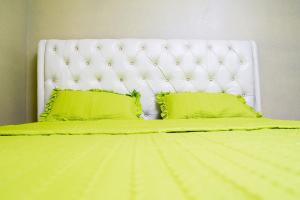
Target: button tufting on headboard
[(149, 66)]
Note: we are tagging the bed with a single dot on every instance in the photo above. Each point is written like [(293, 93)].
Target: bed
[(208, 158)]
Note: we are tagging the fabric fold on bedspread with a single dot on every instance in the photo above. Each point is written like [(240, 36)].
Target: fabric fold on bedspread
[(146, 126)]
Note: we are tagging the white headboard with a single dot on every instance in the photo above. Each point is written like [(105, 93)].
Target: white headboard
[(149, 66)]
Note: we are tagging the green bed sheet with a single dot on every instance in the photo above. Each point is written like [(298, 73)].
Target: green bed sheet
[(235, 158)]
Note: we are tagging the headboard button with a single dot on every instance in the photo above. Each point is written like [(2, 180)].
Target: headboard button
[(132, 61), (98, 78), (110, 62), (145, 76), (155, 61), (54, 49), (76, 78), (121, 47), (221, 61), (54, 79), (168, 78), (143, 47), (198, 61), (188, 76), (121, 78), (211, 77), (67, 61), (99, 47), (88, 61)]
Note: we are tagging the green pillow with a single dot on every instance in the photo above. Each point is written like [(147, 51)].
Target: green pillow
[(187, 105), (91, 105)]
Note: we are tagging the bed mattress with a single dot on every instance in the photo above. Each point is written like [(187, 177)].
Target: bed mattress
[(233, 158)]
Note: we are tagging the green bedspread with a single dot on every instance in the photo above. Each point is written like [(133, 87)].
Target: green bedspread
[(151, 160)]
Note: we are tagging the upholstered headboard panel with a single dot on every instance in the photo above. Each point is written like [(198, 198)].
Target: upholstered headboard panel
[(149, 66)]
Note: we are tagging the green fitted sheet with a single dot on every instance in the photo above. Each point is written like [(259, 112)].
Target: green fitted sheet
[(151, 160)]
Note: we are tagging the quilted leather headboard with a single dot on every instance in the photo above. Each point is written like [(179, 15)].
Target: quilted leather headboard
[(149, 66)]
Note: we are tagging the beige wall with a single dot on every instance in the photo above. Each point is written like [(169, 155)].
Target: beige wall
[(12, 61), (274, 24)]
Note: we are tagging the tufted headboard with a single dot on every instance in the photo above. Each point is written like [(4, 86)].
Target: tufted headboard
[(149, 66)]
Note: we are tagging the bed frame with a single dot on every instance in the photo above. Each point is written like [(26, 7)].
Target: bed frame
[(149, 66)]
